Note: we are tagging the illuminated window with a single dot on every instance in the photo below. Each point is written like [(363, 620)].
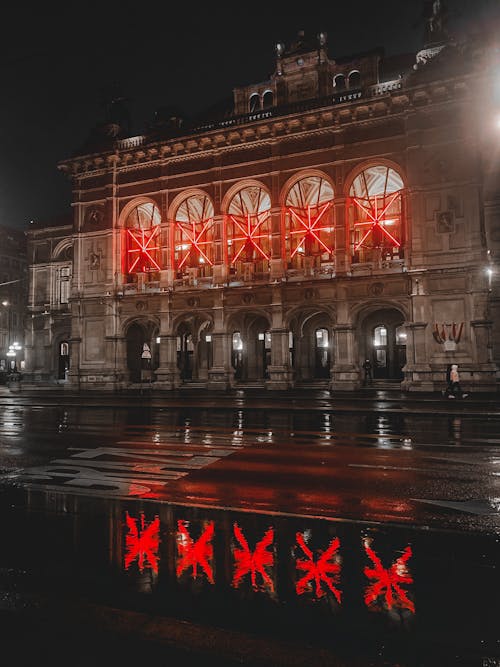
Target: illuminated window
[(375, 215), (380, 336), (195, 241), (142, 227), (401, 335), (237, 341), (248, 226), (309, 221)]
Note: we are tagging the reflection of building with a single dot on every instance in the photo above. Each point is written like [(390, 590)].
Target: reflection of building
[(13, 286), (342, 211)]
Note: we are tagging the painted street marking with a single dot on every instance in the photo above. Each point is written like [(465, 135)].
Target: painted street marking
[(118, 471)]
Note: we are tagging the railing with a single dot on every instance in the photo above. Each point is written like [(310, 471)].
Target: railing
[(341, 97)]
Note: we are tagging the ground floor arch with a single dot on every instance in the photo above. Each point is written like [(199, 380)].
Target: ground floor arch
[(312, 350), (142, 352), (383, 342), (250, 340)]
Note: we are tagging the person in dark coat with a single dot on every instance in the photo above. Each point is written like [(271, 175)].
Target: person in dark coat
[(367, 366)]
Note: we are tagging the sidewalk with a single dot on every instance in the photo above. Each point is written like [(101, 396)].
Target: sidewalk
[(365, 399)]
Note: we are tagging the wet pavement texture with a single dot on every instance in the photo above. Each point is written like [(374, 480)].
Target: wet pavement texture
[(365, 527)]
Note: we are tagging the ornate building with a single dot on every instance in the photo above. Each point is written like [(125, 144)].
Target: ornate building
[(344, 209), (13, 291)]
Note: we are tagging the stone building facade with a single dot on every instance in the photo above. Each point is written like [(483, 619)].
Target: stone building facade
[(13, 291), (344, 209)]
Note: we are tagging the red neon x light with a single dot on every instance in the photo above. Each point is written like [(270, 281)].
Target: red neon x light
[(196, 241), (249, 226), (377, 218), (387, 583), (309, 226), (140, 248), (142, 542)]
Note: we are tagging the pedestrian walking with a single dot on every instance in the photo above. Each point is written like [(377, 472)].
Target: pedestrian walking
[(368, 372), (454, 389)]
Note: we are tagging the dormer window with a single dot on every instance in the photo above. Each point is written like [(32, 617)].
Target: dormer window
[(339, 82), (354, 79), (254, 103), (268, 99)]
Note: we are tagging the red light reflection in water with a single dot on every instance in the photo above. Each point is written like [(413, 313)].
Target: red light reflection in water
[(194, 554), (387, 581), (253, 562), (141, 543), (325, 570)]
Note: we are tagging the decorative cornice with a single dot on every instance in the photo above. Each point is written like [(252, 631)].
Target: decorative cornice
[(394, 101)]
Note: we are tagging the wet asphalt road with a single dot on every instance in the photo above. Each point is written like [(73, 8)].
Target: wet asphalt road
[(375, 458), (379, 457)]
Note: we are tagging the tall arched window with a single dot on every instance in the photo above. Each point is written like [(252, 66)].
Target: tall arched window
[(248, 225), (142, 239), (376, 215), (194, 244), (309, 223)]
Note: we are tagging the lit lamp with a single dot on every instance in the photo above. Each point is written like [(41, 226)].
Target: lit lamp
[(12, 352)]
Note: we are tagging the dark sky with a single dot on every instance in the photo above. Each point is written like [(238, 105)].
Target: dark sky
[(57, 58)]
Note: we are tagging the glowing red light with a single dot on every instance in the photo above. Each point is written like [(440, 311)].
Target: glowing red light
[(196, 240), (377, 217), (309, 226), (250, 229), (387, 582), (192, 554), (253, 562), (142, 542), (325, 570), (141, 251)]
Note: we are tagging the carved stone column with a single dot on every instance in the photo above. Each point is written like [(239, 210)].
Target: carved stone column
[(417, 370), (280, 372), (344, 372), (219, 374), (167, 373)]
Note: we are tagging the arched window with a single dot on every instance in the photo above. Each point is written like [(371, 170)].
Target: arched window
[(268, 99), (254, 103), (376, 215), (339, 82), (354, 79), (248, 225), (309, 222), (194, 246), (142, 246)]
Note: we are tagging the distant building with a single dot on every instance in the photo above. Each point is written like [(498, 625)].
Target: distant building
[(13, 298), (344, 209)]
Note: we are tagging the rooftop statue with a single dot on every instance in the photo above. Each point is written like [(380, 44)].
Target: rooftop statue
[(435, 15)]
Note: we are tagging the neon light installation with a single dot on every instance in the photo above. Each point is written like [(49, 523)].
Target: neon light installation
[(194, 554), (248, 229), (387, 582), (142, 542), (376, 225), (254, 562), (142, 228), (309, 221), (324, 570), (194, 246)]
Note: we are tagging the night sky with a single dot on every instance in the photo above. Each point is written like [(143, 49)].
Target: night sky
[(58, 59)]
